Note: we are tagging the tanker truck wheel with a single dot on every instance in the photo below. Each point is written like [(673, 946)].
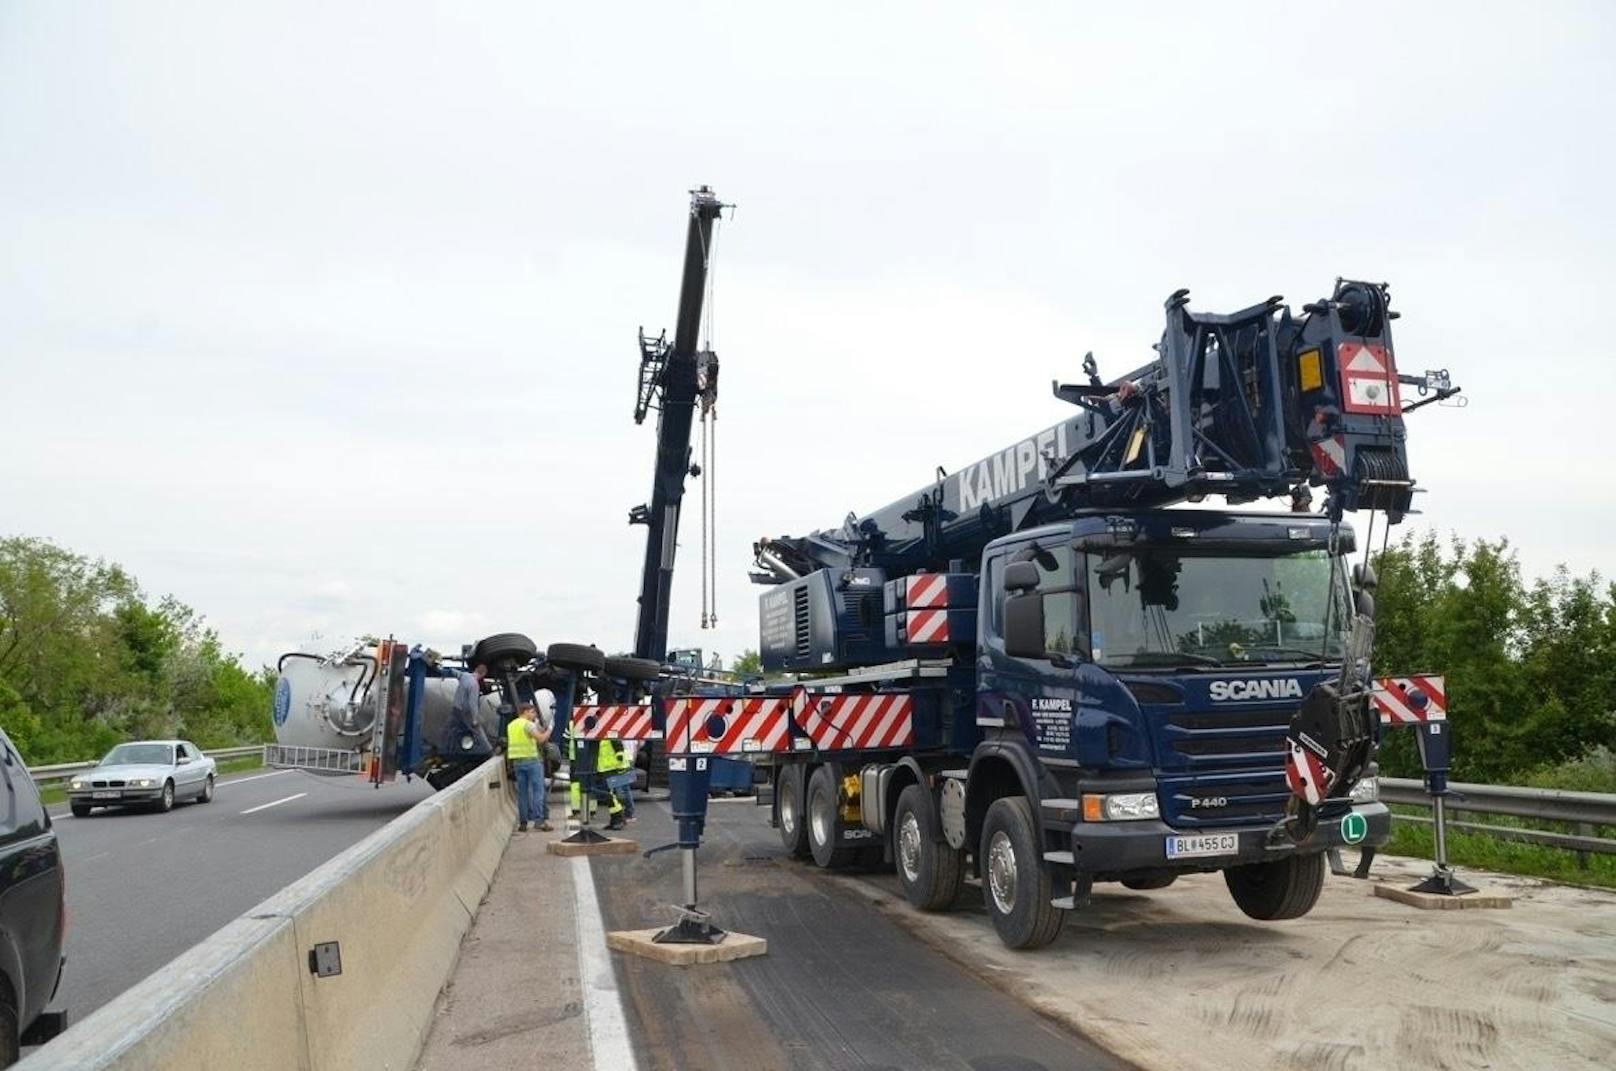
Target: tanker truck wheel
[(788, 812), (930, 872), (505, 647), (1283, 889), (576, 656), (632, 669), (1016, 886)]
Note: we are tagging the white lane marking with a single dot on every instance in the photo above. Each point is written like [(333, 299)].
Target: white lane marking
[(277, 803), (244, 780), (603, 1005)]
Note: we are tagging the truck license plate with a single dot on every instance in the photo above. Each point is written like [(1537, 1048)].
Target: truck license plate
[(1203, 844), (105, 795)]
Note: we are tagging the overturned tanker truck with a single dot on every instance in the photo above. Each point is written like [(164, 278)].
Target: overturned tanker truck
[(381, 709)]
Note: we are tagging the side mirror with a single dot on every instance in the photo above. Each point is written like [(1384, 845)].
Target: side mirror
[(1021, 576), (181, 761), (1365, 604), (1363, 577), (1024, 624)]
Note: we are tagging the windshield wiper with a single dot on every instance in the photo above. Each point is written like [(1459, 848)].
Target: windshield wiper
[(1314, 658), (1168, 658)]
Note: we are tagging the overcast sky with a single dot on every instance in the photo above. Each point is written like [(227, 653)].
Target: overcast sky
[(321, 316)]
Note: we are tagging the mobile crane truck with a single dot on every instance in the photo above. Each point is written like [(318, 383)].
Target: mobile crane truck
[(1034, 667)]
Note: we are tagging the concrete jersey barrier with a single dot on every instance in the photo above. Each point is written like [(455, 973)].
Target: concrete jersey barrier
[(396, 904)]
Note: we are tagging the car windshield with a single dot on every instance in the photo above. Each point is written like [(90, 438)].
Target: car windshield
[(143, 754), (1160, 607)]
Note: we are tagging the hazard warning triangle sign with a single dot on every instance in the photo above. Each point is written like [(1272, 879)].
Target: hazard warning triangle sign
[(1368, 379)]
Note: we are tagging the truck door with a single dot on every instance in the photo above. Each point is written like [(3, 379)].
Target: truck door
[(1033, 692)]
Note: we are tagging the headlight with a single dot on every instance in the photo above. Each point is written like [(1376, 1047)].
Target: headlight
[(1120, 807), (142, 782), (1367, 790), (78, 784)]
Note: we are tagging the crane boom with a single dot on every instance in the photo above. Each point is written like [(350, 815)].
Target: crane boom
[(673, 378), (1245, 405)]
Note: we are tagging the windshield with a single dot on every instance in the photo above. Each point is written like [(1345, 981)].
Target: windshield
[(1158, 606), (143, 754)]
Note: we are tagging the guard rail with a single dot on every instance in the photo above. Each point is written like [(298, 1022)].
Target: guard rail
[(44, 775), (1586, 810)]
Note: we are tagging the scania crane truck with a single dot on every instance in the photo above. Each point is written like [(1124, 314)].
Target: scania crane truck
[(1036, 669)]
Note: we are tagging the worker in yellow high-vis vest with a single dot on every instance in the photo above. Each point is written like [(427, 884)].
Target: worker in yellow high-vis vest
[(611, 762), (524, 744)]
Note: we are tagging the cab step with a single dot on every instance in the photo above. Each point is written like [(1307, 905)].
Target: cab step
[(1060, 858)]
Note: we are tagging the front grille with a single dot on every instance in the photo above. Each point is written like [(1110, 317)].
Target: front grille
[(1244, 747), (1222, 739), (107, 784), (1224, 800)]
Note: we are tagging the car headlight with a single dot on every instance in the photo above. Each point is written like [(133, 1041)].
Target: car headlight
[(1367, 790), (1120, 807), (78, 784), (142, 782)]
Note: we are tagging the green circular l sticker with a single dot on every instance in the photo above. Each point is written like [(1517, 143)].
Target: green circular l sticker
[(1354, 827)]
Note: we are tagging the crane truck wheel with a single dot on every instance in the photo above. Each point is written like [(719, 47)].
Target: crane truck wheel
[(1016, 886), (512, 647), (1283, 889), (788, 812), (632, 669), (1160, 881), (822, 822), (930, 872), (575, 656)]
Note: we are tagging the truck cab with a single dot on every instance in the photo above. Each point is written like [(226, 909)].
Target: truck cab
[(1141, 671)]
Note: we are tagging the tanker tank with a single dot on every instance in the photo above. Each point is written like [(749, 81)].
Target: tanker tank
[(325, 706)]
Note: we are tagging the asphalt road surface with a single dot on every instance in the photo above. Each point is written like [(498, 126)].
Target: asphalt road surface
[(143, 887), (842, 987)]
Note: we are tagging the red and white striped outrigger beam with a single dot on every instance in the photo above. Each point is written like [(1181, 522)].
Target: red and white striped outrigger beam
[(1391, 698), (755, 724), (613, 722)]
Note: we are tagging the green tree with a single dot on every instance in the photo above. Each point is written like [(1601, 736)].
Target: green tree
[(86, 660), (1531, 670), (747, 663)]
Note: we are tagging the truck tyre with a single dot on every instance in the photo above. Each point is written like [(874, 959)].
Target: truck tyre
[(788, 811), (930, 872), (576, 656), (1160, 881), (822, 822), (1016, 886), (632, 669), (505, 647), (10, 1031), (1283, 889), (80, 810)]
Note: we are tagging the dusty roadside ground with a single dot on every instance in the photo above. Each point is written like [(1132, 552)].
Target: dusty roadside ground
[(1180, 980)]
